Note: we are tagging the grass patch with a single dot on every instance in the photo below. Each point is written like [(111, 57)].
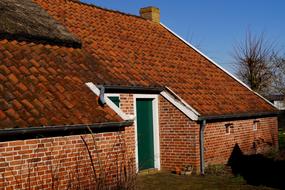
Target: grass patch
[(168, 181), (217, 170)]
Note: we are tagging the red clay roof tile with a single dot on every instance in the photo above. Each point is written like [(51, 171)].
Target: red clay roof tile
[(138, 52), (47, 87), (16, 104), (2, 115)]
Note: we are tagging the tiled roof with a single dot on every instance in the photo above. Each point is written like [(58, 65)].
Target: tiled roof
[(138, 52), (45, 85)]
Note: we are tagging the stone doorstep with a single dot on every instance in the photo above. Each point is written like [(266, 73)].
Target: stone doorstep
[(148, 171)]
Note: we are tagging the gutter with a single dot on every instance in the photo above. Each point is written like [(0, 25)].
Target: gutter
[(238, 116), (131, 89), (60, 130)]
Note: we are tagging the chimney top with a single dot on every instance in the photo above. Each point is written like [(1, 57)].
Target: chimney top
[(150, 13)]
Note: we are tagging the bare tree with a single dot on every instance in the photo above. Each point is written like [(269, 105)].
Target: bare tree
[(279, 75), (254, 60)]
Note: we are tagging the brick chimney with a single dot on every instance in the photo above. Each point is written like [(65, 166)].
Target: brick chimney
[(150, 13)]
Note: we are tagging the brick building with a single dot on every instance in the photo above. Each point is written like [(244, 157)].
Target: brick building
[(67, 65)]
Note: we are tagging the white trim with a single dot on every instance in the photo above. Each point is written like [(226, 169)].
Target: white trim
[(229, 126), (216, 64), (180, 104), (111, 94), (255, 125), (156, 138), (113, 106)]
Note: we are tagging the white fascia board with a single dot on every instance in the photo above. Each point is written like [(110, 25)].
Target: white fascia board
[(182, 101), (112, 94), (216, 64), (180, 104), (113, 106)]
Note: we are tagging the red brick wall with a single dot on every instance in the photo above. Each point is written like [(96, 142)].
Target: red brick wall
[(177, 134), (219, 145), (127, 106), (179, 138), (61, 162)]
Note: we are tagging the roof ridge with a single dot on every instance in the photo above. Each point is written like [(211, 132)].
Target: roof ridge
[(105, 9)]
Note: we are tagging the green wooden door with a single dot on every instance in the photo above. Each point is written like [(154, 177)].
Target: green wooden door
[(145, 133)]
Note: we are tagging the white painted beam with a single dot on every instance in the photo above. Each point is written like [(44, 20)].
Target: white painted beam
[(180, 104), (113, 106)]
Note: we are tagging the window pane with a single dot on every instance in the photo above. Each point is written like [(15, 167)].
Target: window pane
[(115, 100)]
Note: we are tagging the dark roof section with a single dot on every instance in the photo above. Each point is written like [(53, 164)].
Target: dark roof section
[(24, 20)]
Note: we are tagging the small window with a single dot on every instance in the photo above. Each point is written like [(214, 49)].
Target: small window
[(229, 128), (115, 100), (255, 125)]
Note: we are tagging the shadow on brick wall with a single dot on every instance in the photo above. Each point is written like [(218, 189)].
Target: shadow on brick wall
[(258, 169), (281, 120)]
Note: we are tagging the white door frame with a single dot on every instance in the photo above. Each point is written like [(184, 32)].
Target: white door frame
[(156, 139)]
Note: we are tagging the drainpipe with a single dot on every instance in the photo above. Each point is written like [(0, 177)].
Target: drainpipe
[(102, 96), (202, 160)]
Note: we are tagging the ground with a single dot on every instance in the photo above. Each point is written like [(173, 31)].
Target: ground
[(168, 181)]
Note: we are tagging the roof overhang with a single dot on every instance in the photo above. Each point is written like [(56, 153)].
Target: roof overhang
[(166, 92), (131, 89), (61, 130), (175, 100), (238, 116)]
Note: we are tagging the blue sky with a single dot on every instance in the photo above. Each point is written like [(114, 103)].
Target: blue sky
[(214, 25)]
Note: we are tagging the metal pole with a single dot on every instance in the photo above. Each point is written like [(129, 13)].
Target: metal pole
[(202, 161)]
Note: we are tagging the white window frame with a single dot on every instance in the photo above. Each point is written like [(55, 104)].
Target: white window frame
[(156, 140), (228, 126), (255, 125)]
